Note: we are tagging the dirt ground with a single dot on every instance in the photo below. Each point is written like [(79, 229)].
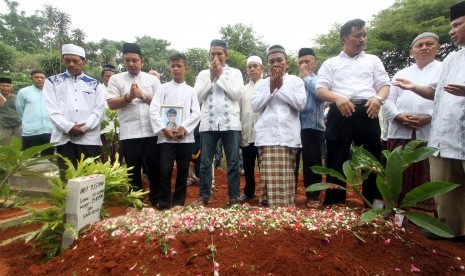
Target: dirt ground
[(283, 252)]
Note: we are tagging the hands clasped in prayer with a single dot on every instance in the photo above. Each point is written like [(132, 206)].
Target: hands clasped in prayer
[(215, 69), (276, 78)]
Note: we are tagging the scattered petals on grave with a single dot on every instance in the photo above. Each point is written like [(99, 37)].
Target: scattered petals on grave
[(241, 219)]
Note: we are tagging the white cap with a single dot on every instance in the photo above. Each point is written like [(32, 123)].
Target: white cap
[(423, 35), (256, 59), (72, 49)]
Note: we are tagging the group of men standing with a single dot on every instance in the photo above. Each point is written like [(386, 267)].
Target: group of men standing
[(270, 119)]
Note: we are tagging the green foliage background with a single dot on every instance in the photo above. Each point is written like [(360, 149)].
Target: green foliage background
[(33, 41)]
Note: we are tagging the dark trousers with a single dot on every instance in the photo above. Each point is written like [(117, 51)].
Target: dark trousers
[(170, 152), (249, 155), (341, 132), (37, 140), (208, 140), (312, 148), (73, 152), (137, 152)]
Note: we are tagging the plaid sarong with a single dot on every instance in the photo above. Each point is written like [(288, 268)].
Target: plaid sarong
[(277, 181)]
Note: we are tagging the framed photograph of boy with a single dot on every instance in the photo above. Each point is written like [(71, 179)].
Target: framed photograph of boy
[(171, 115)]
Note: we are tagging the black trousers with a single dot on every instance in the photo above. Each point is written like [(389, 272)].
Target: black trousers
[(312, 148), (37, 140), (249, 155), (170, 152), (73, 152), (145, 151), (341, 133)]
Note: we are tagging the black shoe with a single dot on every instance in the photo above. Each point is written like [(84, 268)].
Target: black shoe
[(201, 201), (245, 198), (233, 201)]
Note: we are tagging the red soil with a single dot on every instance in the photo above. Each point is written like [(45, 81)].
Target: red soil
[(288, 252)]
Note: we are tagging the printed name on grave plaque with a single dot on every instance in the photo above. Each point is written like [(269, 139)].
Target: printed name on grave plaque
[(83, 203)]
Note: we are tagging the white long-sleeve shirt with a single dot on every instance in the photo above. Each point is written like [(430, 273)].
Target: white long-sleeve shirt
[(134, 119), (248, 117), (220, 100), (359, 77), (406, 102), (72, 100), (177, 94), (448, 125), (278, 120)]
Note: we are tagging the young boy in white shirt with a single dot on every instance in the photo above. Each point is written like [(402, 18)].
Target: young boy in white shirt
[(175, 144)]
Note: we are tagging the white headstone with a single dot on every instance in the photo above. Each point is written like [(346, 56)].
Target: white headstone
[(83, 203)]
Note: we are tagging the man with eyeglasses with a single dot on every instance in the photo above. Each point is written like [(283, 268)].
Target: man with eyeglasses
[(75, 104), (356, 84), (131, 93), (409, 115), (448, 126)]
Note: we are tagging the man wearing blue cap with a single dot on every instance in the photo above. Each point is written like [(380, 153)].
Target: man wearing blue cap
[(448, 126)]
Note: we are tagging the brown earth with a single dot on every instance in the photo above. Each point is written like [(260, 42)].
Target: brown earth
[(287, 252)]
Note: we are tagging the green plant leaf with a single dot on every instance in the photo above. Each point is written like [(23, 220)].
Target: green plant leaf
[(385, 191), (328, 171), (394, 173), (425, 191), (323, 186), (417, 155), (347, 169), (34, 150), (429, 223), (412, 145), (366, 160), (372, 214)]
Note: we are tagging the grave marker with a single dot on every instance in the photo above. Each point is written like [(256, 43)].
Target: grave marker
[(83, 203)]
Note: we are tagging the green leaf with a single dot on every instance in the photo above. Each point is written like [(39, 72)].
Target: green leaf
[(394, 173), (418, 155), (365, 159), (34, 150), (328, 171), (385, 191), (372, 214), (425, 191), (323, 186), (347, 169), (429, 223), (412, 145)]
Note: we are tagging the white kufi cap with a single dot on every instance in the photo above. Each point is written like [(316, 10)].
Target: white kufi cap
[(256, 59), (71, 49)]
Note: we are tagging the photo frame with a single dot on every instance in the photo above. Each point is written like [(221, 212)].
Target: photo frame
[(172, 115)]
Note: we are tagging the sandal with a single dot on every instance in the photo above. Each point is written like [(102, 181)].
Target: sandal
[(312, 204)]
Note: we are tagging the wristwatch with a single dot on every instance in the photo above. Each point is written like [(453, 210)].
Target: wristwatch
[(381, 99)]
